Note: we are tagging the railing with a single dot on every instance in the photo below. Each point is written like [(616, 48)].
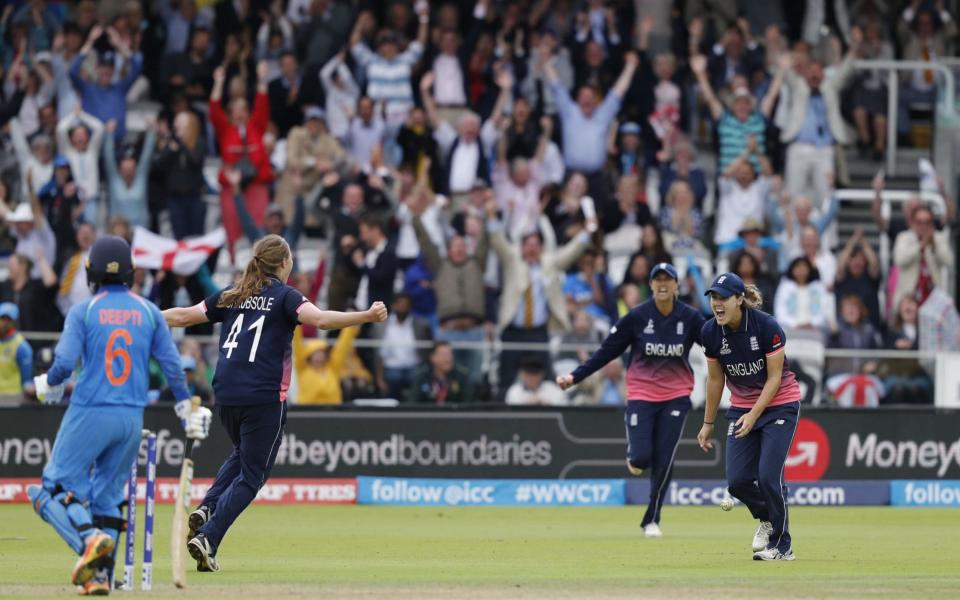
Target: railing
[(946, 102), (813, 358)]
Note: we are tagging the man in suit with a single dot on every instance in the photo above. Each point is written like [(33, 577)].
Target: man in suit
[(532, 295), (814, 125)]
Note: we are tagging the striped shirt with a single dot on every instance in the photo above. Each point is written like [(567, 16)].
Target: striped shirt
[(388, 81), (733, 137)]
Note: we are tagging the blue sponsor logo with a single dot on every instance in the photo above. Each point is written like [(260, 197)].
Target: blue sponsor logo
[(925, 493), (490, 492)]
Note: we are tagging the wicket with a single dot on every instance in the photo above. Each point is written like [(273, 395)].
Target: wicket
[(146, 575)]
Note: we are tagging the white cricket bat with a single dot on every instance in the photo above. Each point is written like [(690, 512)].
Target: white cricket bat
[(178, 538)]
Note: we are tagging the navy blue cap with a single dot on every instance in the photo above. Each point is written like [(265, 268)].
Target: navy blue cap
[(60, 161), (664, 267), (727, 284)]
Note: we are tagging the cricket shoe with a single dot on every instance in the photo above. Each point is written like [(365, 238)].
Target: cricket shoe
[(774, 554), (652, 530), (99, 584), (97, 547), (762, 537), (196, 520), (201, 551), (636, 472)]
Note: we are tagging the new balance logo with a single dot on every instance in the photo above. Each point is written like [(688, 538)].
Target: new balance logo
[(649, 328), (675, 413), (779, 421)]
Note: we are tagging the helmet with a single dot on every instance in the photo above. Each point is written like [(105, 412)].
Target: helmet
[(110, 261)]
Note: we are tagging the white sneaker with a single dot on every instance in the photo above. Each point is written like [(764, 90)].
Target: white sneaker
[(774, 554), (762, 537), (652, 530)]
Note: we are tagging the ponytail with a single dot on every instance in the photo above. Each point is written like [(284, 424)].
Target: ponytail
[(752, 297), (269, 253)]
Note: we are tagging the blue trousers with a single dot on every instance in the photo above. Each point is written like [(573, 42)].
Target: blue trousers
[(92, 455), (653, 434), (256, 432), (755, 466)]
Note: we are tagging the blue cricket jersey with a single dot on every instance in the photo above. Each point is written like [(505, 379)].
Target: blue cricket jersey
[(659, 367), (743, 356), (255, 354), (114, 334)]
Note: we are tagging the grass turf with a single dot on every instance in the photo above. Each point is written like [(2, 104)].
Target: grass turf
[(367, 552)]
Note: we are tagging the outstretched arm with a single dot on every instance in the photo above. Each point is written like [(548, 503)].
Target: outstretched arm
[(186, 317), (630, 60), (309, 314), (698, 64)]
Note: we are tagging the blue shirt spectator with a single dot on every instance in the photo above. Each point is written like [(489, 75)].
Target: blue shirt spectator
[(104, 98)]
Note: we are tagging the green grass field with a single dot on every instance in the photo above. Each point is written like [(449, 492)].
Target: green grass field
[(378, 552)]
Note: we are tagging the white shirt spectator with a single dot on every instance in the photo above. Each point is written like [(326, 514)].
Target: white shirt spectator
[(464, 160), (448, 81), (520, 204), (398, 350), (362, 137), (84, 166), (342, 93), (736, 205)]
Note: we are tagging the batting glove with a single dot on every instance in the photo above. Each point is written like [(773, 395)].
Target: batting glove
[(183, 410), (46, 393), (198, 425)]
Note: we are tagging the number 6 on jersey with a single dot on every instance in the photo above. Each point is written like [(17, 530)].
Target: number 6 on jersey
[(231, 342)]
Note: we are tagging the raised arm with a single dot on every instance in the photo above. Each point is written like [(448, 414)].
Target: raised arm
[(784, 62), (698, 64), (429, 105), (330, 319), (630, 62)]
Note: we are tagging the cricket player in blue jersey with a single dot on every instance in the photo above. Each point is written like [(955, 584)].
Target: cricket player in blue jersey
[(745, 349), (659, 381), (259, 315), (113, 334)]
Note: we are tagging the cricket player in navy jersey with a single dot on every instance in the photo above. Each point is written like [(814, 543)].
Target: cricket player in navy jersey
[(659, 381), (259, 316), (114, 333), (745, 349)]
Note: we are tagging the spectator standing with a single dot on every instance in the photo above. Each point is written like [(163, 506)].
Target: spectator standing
[(376, 261), (127, 181), (586, 124), (342, 94), (35, 158), (16, 357), (181, 156), (33, 231), (388, 70), (920, 253), (106, 97), (441, 381), (870, 93), (802, 301), (743, 194), (240, 135), (922, 41), (743, 121), (312, 152), (35, 297), (79, 137), (61, 206), (366, 131), (461, 307), (814, 125), (531, 297), (286, 99), (858, 274)]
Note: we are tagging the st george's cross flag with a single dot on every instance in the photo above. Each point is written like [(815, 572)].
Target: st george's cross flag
[(151, 251)]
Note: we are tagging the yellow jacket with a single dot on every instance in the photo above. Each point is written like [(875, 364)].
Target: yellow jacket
[(321, 386)]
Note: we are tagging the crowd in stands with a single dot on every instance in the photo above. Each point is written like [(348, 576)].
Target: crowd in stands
[(502, 172)]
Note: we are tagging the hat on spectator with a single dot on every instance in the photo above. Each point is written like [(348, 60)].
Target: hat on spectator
[(60, 161), (752, 225), (22, 214), (9, 310), (106, 59), (188, 363), (311, 347), (664, 267), (43, 56), (726, 285), (742, 92), (274, 209), (630, 128), (314, 112)]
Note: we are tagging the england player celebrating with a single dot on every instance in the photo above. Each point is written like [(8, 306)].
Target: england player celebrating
[(259, 315), (745, 349), (659, 381), (113, 334)]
